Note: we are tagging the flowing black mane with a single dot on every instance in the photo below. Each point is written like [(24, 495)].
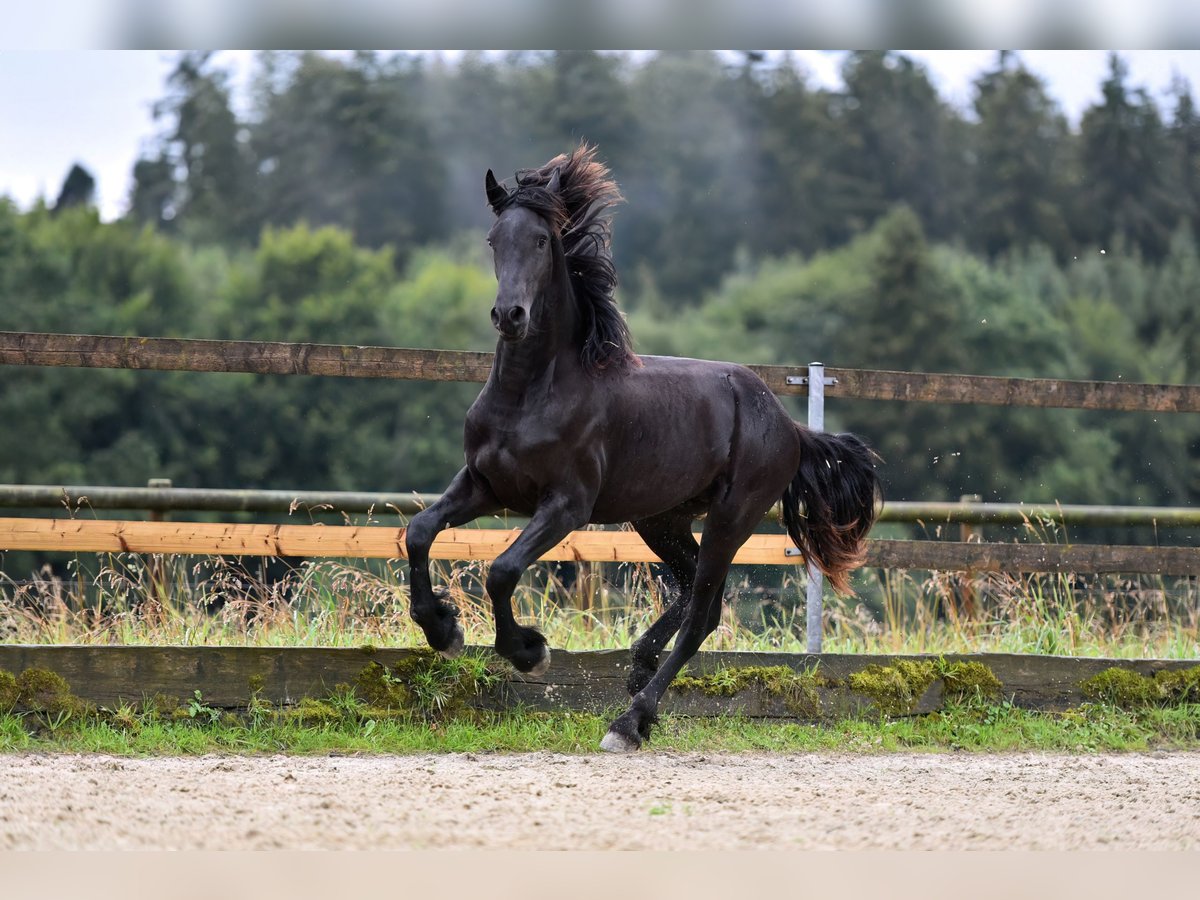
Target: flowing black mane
[(574, 192)]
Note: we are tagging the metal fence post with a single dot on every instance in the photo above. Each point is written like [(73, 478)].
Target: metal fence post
[(154, 566), (816, 581)]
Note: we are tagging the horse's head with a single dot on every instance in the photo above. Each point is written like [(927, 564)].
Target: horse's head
[(523, 246)]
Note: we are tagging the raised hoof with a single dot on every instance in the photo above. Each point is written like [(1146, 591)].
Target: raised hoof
[(614, 742), (532, 656), (532, 660), (439, 621), (543, 664), (455, 647)]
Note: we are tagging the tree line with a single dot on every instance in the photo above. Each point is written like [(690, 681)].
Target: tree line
[(720, 157)]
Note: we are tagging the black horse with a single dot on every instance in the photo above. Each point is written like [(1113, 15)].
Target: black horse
[(572, 427)]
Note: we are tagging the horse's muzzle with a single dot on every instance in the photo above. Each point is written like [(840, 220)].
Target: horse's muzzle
[(513, 324)]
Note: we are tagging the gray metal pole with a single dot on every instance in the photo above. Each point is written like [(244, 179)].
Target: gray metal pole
[(816, 582)]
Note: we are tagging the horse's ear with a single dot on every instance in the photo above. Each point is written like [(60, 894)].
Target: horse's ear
[(496, 193), (554, 185)]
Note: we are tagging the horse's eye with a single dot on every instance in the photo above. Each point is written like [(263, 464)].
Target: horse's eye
[(541, 243), (490, 244)]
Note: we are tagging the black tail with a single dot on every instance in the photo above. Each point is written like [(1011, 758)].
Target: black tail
[(840, 492)]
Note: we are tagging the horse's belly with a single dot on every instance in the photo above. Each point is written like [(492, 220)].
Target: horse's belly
[(649, 488)]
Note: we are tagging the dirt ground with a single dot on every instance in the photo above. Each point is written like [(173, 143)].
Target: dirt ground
[(650, 800)]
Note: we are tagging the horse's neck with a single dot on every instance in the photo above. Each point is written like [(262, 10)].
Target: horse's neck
[(549, 353)]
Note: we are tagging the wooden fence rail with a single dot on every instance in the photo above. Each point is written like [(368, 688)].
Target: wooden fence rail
[(380, 542), (276, 358)]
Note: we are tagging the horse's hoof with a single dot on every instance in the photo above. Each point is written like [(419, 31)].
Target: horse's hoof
[(455, 647), (615, 742), (543, 664), (540, 667), (532, 657)]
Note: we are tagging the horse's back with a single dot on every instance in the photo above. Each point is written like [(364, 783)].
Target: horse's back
[(678, 429)]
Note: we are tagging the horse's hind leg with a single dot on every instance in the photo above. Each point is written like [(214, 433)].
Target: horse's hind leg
[(465, 499), (670, 537), (724, 533)]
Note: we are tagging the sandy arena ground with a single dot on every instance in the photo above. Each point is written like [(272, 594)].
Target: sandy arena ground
[(650, 800)]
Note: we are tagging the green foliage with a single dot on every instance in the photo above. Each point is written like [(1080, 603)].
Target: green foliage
[(200, 711), (719, 157), (52, 719), (312, 728), (1023, 147), (1125, 187), (43, 693)]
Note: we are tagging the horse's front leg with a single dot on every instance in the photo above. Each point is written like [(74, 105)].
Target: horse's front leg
[(555, 518), (465, 499)]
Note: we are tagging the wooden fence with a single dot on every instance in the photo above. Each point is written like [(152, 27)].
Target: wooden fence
[(97, 351)]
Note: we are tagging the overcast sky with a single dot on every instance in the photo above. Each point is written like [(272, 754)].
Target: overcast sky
[(94, 107)]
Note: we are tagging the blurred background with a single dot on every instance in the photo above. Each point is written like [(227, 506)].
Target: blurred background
[(776, 212)]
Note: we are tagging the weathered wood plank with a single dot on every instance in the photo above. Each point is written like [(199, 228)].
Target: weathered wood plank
[(165, 499), (933, 511), (258, 357), (995, 557), (934, 387), (113, 536), (278, 358), (381, 542), (591, 681)]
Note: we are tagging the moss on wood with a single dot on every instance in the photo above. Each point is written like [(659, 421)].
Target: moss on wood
[(1128, 689), (9, 692), (798, 690), (895, 689), (969, 680), (427, 683)]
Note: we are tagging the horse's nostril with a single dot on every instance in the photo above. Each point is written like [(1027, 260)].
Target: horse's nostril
[(495, 317), (516, 315)]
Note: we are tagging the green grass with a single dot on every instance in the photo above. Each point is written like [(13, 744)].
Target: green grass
[(977, 727)]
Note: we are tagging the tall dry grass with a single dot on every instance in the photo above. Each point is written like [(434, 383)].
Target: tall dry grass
[(133, 599)]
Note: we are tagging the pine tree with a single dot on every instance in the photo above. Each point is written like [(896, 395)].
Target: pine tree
[(1022, 170), (1126, 164), (78, 189)]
